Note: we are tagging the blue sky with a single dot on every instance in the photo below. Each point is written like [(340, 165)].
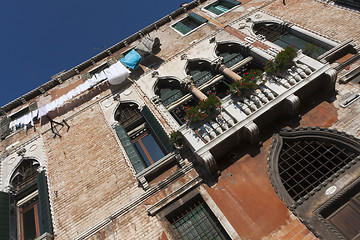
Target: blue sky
[(41, 38)]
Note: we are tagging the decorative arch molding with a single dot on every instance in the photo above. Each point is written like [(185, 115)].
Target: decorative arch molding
[(267, 27), (200, 70), (304, 160), (197, 63), (167, 81), (231, 49), (32, 150), (140, 105)]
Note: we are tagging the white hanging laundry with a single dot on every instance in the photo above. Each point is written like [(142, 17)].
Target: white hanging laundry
[(27, 119), (117, 73), (100, 76), (84, 86), (51, 106), (20, 121), (42, 111), (34, 114), (77, 90), (71, 94), (58, 102), (93, 81), (12, 125)]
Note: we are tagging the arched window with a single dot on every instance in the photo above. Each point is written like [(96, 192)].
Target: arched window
[(143, 138), (231, 52), (302, 159), (27, 209), (169, 91), (200, 71), (305, 167)]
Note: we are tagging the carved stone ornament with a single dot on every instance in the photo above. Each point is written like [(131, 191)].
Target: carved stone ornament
[(252, 133), (218, 65), (21, 152), (187, 83), (210, 163), (292, 104)]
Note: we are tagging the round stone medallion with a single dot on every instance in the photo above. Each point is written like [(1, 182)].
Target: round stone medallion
[(127, 92), (108, 103), (11, 160), (331, 190), (32, 147)]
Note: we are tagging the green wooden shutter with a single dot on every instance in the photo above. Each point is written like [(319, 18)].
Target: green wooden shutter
[(44, 203), (182, 28), (214, 10), (197, 18), (4, 215), (4, 127), (157, 130), (130, 149)]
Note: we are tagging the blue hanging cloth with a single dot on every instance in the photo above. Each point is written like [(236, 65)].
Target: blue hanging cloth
[(131, 60)]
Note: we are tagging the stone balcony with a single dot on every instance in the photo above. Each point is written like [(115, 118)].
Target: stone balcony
[(241, 118)]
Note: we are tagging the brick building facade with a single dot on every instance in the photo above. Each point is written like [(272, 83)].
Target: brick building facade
[(88, 154)]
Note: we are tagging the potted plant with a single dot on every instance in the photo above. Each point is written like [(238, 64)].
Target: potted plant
[(204, 109), (250, 81), (177, 139), (312, 50), (282, 61)]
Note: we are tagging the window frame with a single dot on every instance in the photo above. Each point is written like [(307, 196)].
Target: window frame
[(214, 15), (37, 217), (182, 201), (191, 31), (139, 138)]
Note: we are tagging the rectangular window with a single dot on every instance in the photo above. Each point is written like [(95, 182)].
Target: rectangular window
[(195, 220), (189, 23), (30, 220), (221, 6)]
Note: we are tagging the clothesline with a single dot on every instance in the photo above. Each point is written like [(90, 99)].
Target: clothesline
[(115, 74)]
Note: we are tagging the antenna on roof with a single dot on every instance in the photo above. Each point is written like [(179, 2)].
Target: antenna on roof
[(103, 48)]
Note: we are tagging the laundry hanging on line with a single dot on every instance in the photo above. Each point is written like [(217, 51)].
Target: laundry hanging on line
[(115, 74)]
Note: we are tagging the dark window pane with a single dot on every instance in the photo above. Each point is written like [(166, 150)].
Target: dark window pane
[(152, 147), (29, 227), (142, 153)]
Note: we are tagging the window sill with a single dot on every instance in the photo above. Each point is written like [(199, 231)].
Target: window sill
[(145, 176), (45, 236)]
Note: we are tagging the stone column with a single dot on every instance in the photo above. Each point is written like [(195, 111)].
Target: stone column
[(220, 67), (190, 86)]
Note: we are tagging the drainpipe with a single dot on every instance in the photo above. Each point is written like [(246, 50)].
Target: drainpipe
[(190, 86), (219, 67)]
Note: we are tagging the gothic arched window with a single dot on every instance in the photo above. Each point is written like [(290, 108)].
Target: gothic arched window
[(143, 138), (25, 213), (232, 53)]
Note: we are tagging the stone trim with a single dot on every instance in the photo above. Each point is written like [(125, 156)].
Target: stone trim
[(174, 195)]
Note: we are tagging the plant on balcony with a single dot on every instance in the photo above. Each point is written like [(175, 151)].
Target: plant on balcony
[(282, 61), (203, 109), (250, 81), (311, 50), (177, 139)]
